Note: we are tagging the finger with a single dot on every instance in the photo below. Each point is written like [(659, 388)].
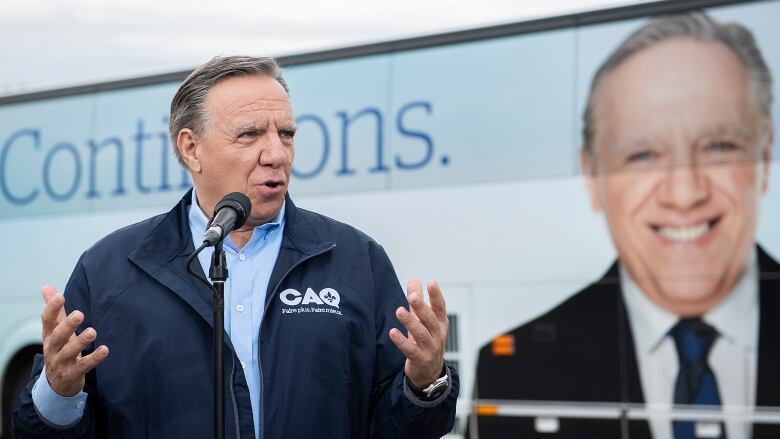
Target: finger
[(438, 304), (63, 332), (406, 346), (422, 337), (414, 290), (76, 345), (48, 291), (91, 361), (425, 315), (53, 311)]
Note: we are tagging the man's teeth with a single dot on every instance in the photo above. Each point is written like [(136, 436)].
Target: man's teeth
[(684, 234)]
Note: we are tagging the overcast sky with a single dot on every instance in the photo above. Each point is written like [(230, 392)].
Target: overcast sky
[(50, 44)]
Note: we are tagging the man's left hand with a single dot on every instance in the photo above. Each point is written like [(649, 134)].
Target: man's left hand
[(427, 326)]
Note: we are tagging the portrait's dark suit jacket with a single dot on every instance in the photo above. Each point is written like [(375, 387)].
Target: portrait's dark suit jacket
[(583, 350)]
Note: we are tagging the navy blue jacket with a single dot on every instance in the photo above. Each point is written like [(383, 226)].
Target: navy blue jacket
[(331, 372)]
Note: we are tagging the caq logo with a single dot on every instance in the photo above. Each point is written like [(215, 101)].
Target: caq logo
[(327, 296)]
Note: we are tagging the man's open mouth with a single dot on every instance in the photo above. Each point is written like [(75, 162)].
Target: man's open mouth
[(273, 184), (686, 234)]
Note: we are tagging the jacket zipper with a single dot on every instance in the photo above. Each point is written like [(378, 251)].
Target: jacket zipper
[(268, 303)]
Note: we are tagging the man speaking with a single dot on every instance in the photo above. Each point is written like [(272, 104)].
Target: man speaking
[(676, 154), (312, 311)]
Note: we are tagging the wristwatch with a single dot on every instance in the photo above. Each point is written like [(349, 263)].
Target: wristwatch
[(434, 390)]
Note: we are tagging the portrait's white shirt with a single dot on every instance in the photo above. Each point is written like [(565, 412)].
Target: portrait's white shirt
[(733, 358)]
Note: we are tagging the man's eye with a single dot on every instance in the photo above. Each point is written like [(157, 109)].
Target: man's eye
[(287, 133), (641, 156), (247, 134), (722, 146)]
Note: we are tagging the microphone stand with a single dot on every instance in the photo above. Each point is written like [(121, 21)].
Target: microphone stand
[(218, 273), (229, 214)]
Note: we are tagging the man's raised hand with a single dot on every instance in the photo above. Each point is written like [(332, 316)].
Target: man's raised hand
[(65, 366), (427, 325)]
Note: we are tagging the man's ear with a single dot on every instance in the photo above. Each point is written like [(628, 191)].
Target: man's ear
[(766, 157), (588, 165), (187, 144)]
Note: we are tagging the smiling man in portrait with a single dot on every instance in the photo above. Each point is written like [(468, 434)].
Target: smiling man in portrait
[(677, 145)]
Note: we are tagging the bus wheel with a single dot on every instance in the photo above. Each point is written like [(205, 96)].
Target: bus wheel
[(16, 377)]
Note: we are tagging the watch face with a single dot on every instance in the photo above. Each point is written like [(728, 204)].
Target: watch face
[(438, 387)]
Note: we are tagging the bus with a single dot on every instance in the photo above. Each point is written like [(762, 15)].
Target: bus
[(458, 152)]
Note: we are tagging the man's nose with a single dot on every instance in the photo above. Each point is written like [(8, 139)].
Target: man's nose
[(273, 152), (684, 186)]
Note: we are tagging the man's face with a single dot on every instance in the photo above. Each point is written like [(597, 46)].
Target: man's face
[(247, 146), (680, 161)]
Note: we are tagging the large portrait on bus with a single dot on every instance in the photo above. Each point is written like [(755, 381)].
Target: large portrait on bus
[(676, 153)]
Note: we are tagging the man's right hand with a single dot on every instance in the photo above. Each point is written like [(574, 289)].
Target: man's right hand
[(65, 366)]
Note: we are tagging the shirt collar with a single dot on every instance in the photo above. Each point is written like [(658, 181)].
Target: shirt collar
[(198, 223), (651, 323)]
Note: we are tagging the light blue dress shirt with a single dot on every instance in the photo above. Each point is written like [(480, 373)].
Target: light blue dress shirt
[(250, 271)]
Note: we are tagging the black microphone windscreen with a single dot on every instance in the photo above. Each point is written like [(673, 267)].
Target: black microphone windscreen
[(238, 202)]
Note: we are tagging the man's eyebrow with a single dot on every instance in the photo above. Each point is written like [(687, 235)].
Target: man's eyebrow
[(291, 126), (726, 129), (635, 144), (248, 126)]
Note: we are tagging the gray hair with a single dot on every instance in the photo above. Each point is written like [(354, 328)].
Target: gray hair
[(188, 105), (697, 25)]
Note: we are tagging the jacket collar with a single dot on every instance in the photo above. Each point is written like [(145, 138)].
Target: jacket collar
[(768, 380), (302, 239), (630, 384), (163, 254), (300, 232)]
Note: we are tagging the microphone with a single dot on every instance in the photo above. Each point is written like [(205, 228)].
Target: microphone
[(229, 214)]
